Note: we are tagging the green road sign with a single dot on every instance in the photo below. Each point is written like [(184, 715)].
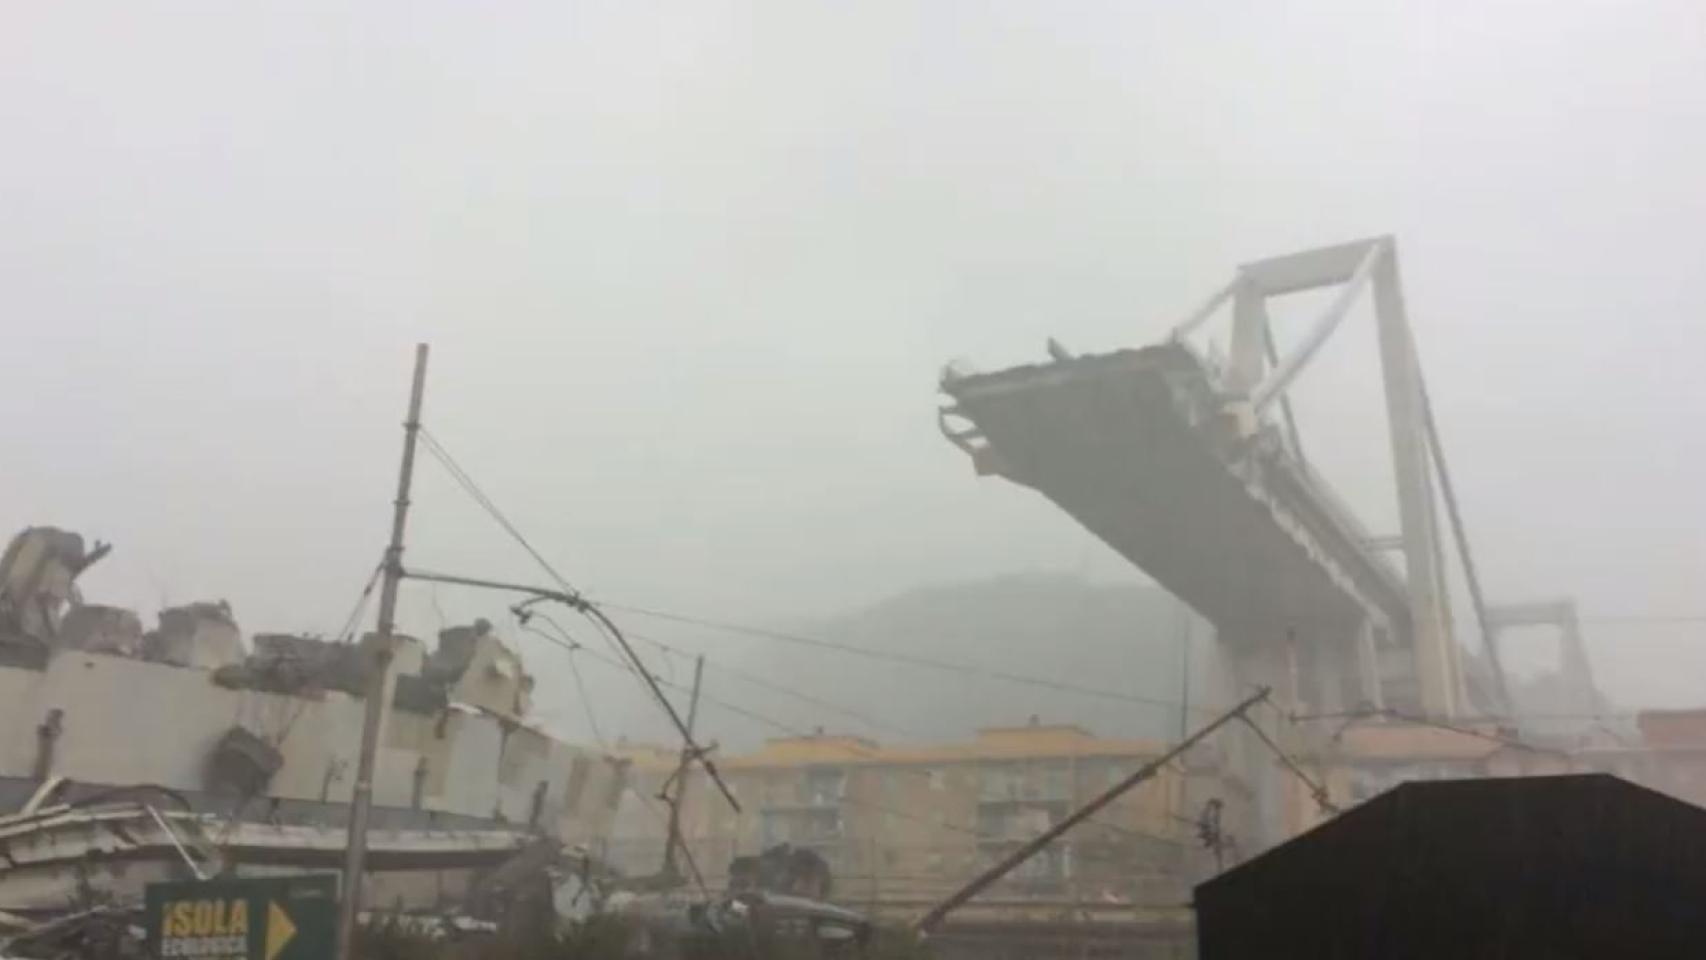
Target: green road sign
[(282, 918)]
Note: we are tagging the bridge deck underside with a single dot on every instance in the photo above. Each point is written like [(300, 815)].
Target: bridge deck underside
[(1107, 439)]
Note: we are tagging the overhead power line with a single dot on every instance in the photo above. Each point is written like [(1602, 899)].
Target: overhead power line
[(785, 636), (466, 482), (852, 747), (346, 634), (572, 648), (794, 731), (947, 666), (568, 595), (353, 621), (1382, 713), (1316, 790), (777, 687), (569, 644), (982, 881)]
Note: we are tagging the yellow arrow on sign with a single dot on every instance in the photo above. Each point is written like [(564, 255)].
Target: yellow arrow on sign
[(279, 930)]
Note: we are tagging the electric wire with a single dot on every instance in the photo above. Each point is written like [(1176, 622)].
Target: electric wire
[(466, 481), (786, 637), (1514, 742), (580, 688), (577, 601), (345, 635), (300, 706), (629, 661), (962, 669), (1503, 718), (1316, 790), (793, 731), (774, 686), (573, 646)]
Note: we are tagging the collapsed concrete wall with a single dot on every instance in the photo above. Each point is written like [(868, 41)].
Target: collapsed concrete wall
[(99, 629), (479, 669), (86, 695), (201, 635), (123, 721), (38, 573)]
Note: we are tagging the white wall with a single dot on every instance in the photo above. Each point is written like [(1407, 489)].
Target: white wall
[(131, 721)]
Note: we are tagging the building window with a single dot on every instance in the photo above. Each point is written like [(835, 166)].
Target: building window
[(824, 786), (1056, 782), (997, 781), (823, 825)]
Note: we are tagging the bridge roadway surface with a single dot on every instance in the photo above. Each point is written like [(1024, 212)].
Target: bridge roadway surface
[(1138, 447)]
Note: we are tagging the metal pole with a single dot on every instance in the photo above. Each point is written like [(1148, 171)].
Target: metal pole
[(379, 669), (544, 593), (626, 650), (1185, 614), (1030, 849), (681, 768), (166, 828)]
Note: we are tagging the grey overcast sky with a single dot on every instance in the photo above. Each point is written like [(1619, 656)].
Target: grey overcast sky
[(689, 272)]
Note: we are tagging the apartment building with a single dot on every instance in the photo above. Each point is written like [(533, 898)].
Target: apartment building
[(901, 824)]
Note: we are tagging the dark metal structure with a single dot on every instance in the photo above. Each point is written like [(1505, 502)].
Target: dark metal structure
[(1554, 867)]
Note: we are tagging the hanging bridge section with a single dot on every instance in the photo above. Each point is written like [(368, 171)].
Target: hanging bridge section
[(1191, 470)]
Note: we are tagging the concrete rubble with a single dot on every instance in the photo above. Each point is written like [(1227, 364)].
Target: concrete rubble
[(129, 756)]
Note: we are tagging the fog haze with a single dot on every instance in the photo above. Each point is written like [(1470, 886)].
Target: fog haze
[(690, 271)]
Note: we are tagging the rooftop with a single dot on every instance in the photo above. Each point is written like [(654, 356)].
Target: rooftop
[(1036, 741)]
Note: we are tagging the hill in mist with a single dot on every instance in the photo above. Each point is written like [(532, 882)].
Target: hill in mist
[(1122, 639), (1070, 636)]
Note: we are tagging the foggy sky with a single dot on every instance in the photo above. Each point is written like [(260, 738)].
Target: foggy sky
[(690, 271)]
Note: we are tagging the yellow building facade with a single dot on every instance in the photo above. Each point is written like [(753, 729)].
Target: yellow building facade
[(901, 825)]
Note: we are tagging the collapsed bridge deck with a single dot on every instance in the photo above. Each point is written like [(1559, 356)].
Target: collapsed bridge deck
[(1138, 447)]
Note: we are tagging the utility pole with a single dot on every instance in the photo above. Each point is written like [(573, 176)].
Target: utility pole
[(930, 920), (578, 603), (378, 664), (1185, 615), (674, 840)]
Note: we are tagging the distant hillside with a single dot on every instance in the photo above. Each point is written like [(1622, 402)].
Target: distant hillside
[(1121, 638), (1058, 629)]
